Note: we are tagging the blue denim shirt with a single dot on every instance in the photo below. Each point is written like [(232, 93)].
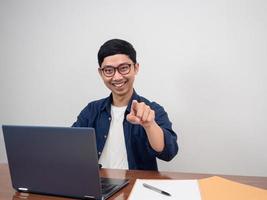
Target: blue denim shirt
[(139, 152)]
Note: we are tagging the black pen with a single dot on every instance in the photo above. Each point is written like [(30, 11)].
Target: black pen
[(156, 189)]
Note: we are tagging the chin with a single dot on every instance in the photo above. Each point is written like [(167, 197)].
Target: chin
[(122, 92)]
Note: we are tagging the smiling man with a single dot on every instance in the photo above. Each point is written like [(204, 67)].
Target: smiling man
[(131, 131)]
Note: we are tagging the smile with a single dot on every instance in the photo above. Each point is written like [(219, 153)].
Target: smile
[(119, 85)]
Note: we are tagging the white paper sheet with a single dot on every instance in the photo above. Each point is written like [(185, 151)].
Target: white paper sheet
[(179, 190)]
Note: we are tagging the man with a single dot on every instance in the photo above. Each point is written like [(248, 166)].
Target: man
[(131, 131)]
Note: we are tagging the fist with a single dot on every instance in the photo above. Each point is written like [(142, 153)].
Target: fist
[(141, 114)]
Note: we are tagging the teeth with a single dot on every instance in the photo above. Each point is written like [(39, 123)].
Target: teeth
[(118, 84)]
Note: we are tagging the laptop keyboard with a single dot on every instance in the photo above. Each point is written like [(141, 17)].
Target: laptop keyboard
[(106, 187)]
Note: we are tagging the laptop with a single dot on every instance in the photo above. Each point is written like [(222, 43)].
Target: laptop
[(58, 161)]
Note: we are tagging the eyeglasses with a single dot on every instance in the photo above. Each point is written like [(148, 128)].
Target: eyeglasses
[(110, 71)]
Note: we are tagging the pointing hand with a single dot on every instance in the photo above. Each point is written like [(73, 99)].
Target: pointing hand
[(141, 114)]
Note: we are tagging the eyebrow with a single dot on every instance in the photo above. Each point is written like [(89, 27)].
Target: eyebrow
[(117, 65)]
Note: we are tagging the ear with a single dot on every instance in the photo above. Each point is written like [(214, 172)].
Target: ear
[(136, 68), (100, 71)]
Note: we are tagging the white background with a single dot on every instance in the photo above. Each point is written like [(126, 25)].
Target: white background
[(203, 61)]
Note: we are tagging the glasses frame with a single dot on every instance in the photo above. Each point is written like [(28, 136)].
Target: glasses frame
[(116, 69)]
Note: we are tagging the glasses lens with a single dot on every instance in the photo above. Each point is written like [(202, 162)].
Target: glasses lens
[(124, 69), (109, 71)]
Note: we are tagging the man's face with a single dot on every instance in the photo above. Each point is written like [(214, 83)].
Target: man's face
[(121, 83)]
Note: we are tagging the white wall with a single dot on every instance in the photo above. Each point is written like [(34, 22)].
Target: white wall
[(204, 61)]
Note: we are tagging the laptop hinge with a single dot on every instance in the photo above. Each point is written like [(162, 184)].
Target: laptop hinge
[(89, 197), (23, 189), (92, 197)]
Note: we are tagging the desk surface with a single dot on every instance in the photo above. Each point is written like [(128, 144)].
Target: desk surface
[(8, 193)]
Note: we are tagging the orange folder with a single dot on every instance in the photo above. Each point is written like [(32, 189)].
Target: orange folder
[(217, 188)]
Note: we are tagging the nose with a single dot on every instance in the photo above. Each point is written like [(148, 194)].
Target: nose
[(117, 75)]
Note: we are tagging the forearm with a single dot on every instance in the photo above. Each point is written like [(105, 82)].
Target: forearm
[(155, 136)]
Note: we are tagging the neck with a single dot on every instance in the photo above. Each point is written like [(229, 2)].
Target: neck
[(120, 101)]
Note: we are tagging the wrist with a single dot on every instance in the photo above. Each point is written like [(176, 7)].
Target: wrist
[(149, 125)]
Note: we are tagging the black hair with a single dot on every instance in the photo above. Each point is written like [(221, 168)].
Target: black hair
[(116, 46)]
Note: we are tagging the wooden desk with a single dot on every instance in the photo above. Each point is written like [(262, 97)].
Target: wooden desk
[(8, 193)]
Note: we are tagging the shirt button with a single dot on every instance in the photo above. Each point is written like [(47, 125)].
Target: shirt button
[(105, 136), (99, 153), (109, 118)]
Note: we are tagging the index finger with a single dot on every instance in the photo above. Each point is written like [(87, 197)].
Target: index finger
[(134, 107)]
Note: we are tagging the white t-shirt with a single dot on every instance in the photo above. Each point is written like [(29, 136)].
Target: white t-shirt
[(114, 154)]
